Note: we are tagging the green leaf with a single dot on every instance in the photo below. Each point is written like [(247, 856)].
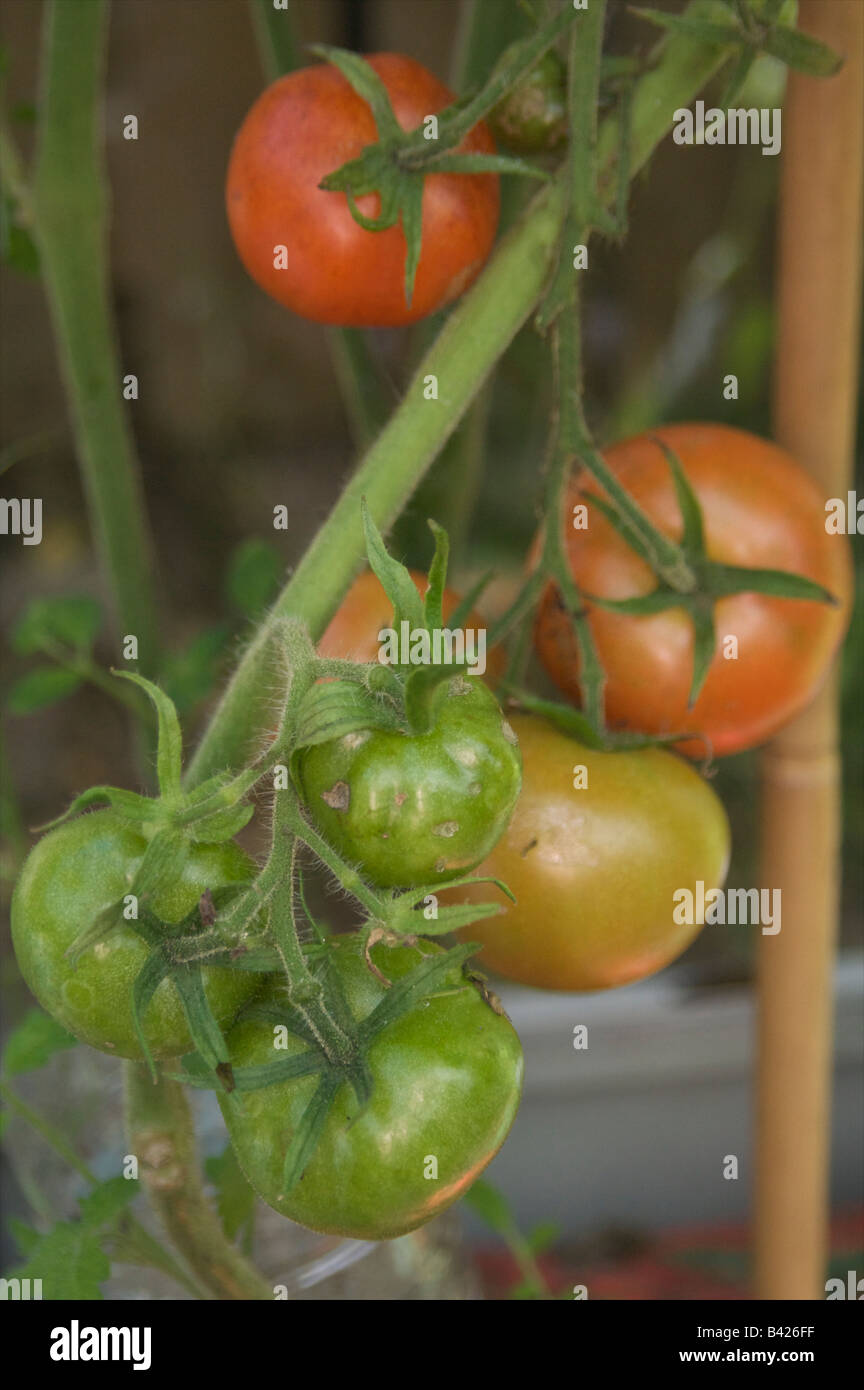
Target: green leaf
[(738, 76), (70, 1262), (108, 1199), (235, 1199), (34, 1042), (73, 621), (254, 577), (803, 53), (491, 1206), (40, 688), (18, 249)]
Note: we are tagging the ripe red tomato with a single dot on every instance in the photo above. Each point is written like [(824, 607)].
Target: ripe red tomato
[(302, 128), (761, 510), (594, 868), (352, 633)]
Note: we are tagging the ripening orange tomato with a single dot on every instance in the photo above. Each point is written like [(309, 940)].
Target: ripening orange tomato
[(761, 510)]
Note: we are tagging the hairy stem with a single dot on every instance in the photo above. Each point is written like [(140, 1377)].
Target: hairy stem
[(162, 1137)]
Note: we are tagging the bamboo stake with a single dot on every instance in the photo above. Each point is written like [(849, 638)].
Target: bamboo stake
[(815, 389)]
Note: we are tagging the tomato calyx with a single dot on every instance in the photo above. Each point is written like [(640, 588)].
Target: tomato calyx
[(395, 166), (427, 980), (694, 582), (753, 30)]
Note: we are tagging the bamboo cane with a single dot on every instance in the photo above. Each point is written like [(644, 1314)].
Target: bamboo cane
[(815, 388)]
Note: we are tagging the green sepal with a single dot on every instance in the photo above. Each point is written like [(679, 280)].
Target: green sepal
[(196, 1073), (407, 992), (393, 576), (365, 82), (433, 615), (221, 826), (169, 757), (704, 642), (154, 970), (485, 164), (702, 29), (337, 708), (421, 688), (723, 580), (575, 723), (802, 52), (693, 539), (305, 1138), (411, 208), (137, 809)]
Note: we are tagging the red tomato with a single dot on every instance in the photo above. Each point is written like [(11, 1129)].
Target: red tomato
[(302, 128), (761, 510), (366, 609)]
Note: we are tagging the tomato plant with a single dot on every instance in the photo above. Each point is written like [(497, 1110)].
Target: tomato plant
[(597, 845), (72, 875), (333, 270), (416, 808), (760, 509), (447, 1077)]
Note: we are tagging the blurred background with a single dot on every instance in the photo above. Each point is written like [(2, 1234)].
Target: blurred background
[(620, 1148)]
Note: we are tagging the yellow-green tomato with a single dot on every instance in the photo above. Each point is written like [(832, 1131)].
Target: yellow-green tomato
[(598, 846), (447, 1078), (70, 876)]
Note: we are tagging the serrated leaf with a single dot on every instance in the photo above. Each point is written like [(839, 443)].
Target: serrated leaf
[(491, 1206), (254, 576), (235, 1199), (70, 1262), (801, 52), (40, 688), (34, 1042), (72, 621), (106, 1201)]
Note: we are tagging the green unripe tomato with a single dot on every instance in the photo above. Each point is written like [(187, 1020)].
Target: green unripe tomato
[(532, 118), (447, 1078), (70, 876), (416, 808)]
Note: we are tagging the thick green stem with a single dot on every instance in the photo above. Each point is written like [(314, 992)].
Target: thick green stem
[(70, 212), (161, 1136)]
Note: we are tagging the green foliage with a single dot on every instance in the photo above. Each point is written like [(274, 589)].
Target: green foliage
[(40, 688), (70, 1259), (254, 577), (235, 1200), (34, 1042)]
